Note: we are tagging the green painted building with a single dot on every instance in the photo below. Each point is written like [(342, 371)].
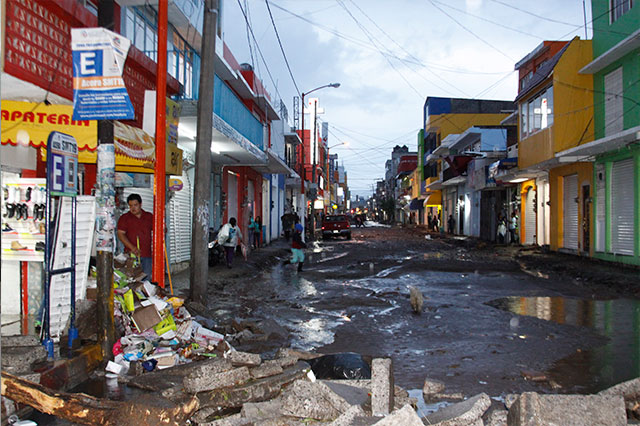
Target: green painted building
[(615, 150)]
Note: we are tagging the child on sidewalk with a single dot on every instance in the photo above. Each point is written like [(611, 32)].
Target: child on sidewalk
[(297, 255)]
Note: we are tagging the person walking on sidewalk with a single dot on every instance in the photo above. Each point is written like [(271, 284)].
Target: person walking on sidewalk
[(513, 228), (228, 237), (134, 230), (297, 255), (254, 232)]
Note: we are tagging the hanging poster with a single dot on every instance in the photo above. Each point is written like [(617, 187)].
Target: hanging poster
[(99, 92)]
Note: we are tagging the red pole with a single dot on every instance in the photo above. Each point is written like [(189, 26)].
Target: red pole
[(159, 183)]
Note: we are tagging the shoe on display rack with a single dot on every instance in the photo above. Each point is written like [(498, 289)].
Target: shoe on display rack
[(7, 228), (39, 246), (15, 245)]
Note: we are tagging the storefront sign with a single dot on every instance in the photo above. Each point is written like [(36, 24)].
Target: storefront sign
[(173, 160), (62, 164), (175, 184), (30, 123), (99, 92)]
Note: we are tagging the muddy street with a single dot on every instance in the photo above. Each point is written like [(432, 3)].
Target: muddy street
[(495, 319)]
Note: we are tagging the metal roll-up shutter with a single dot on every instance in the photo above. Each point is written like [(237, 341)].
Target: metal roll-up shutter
[(530, 218), (622, 207), (570, 212), (613, 106), (232, 196), (180, 211), (145, 193), (600, 208)]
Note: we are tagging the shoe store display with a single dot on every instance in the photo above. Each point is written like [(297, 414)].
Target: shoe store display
[(39, 246), (11, 210), (27, 195), (7, 228), (15, 245)]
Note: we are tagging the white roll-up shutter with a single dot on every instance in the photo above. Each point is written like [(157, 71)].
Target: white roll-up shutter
[(613, 107), (622, 207), (570, 212), (600, 208), (530, 218), (232, 196), (145, 193), (180, 211)]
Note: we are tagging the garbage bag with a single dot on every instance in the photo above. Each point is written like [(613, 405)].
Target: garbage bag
[(347, 365)]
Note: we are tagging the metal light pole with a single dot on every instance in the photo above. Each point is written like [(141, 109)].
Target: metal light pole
[(302, 170)]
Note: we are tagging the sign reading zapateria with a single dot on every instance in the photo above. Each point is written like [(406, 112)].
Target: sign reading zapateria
[(99, 92)]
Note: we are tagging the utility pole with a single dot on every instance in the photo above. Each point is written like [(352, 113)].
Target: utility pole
[(201, 212), (106, 208)]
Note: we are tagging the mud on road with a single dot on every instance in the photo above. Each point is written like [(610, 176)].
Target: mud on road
[(496, 319)]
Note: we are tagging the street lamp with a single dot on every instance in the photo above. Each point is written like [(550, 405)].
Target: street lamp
[(302, 174)]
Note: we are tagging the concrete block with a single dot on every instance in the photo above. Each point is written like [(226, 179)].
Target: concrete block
[(285, 362), (19, 340), (312, 400), (260, 411), (354, 395), (463, 413), (19, 358), (288, 352), (431, 388), (233, 420), (497, 418), (406, 416), (224, 379), (382, 389), (254, 391), (243, 358), (586, 410), (348, 417), (266, 369)]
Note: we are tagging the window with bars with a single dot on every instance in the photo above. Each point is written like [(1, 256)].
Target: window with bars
[(619, 8)]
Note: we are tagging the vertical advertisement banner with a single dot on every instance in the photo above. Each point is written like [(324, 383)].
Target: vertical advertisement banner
[(99, 92)]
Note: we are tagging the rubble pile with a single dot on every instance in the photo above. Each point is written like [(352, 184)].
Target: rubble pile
[(157, 330)]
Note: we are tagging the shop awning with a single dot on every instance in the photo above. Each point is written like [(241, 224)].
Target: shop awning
[(30, 123), (433, 199), (275, 165), (455, 181), (600, 146), (415, 204)]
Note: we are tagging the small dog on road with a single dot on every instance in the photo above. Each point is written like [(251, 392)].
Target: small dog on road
[(415, 296)]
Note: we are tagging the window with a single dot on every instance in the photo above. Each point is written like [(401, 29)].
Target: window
[(526, 79), (537, 113), (619, 8)]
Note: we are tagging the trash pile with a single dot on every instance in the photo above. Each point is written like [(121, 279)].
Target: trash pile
[(157, 329)]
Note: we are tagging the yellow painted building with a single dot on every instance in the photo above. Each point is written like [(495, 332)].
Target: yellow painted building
[(555, 114)]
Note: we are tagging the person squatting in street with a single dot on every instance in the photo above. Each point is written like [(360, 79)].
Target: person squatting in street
[(229, 237), (297, 255), (134, 230)]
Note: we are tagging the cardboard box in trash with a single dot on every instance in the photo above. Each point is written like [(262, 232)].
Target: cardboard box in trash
[(146, 317)]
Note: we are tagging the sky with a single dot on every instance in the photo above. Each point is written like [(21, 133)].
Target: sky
[(389, 56)]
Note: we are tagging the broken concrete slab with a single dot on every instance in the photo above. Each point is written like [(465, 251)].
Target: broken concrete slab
[(20, 340), (630, 391), (348, 417), (254, 391), (266, 369), (354, 395), (463, 413), (382, 389), (431, 388), (497, 418), (313, 400), (195, 383), (260, 411), (232, 420), (160, 380), (510, 399), (18, 359), (534, 409), (400, 399), (284, 362), (406, 416), (238, 358)]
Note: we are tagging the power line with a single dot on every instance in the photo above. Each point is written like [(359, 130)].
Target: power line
[(246, 19), (374, 42), (535, 15), (282, 48), (409, 53), (471, 32)]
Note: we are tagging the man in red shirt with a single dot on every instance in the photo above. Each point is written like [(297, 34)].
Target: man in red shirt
[(134, 230)]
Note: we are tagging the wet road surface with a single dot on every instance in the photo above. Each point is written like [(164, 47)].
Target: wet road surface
[(486, 326)]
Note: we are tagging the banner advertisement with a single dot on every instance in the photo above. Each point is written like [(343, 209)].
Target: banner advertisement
[(99, 92)]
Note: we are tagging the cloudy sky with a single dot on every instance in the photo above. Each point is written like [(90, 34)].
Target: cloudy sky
[(388, 56)]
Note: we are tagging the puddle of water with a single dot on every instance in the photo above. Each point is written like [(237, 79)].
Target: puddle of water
[(337, 256), (619, 320)]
